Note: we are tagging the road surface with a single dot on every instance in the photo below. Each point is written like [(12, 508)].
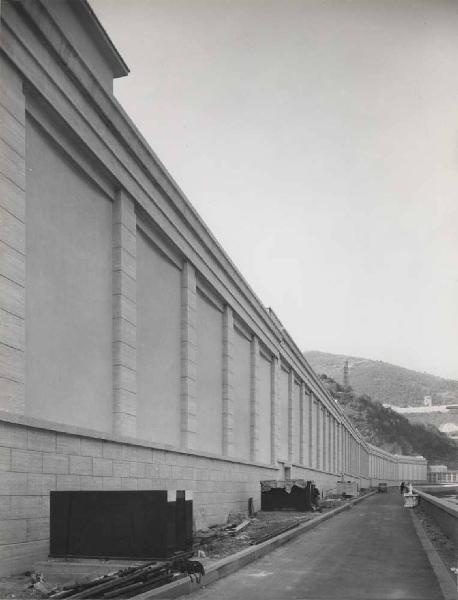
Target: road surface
[(369, 552)]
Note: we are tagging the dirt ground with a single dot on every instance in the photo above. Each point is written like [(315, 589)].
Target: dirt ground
[(16, 586), (221, 543)]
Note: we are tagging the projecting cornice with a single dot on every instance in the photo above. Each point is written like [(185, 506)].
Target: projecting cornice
[(98, 33)]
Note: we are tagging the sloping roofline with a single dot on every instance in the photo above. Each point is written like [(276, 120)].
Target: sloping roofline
[(94, 26)]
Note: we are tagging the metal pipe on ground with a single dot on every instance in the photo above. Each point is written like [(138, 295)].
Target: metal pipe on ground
[(88, 593), (148, 584)]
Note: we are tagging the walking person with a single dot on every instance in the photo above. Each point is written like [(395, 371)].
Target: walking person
[(402, 487)]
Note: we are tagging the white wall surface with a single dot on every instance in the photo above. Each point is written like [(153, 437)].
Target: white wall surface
[(68, 292), (158, 345)]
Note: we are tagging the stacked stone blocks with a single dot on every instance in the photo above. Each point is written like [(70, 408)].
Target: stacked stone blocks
[(228, 382), (124, 316), (12, 240), (274, 410), (254, 399), (188, 356), (34, 462)]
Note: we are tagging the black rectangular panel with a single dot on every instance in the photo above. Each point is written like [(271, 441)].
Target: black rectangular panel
[(299, 498), (128, 524)]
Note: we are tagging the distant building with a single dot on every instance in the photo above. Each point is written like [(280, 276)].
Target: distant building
[(442, 416), (441, 474), (438, 468)]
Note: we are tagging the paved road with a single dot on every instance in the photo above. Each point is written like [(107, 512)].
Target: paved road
[(370, 552)]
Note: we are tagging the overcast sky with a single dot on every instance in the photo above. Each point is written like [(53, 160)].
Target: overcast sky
[(319, 141)]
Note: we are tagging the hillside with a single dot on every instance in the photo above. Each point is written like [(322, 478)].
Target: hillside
[(383, 382), (391, 431)]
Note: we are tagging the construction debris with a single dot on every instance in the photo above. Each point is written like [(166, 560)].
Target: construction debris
[(38, 584), (131, 581), (234, 529)]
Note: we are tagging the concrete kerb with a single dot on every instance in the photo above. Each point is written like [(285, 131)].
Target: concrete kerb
[(230, 564)]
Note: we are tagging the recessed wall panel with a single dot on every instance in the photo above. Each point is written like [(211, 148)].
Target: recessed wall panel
[(296, 421), (265, 404), (283, 414), (68, 291), (158, 345), (315, 412), (241, 396), (209, 397)]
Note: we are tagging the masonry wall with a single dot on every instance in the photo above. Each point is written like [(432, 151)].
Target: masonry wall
[(444, 513), (34, 461), (410, 470), (133, 355), (12, 239)]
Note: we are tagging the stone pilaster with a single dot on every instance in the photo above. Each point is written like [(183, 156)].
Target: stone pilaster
[(188, 356), (228, 381), (351, 454), (124, 316), (339, 449), (336, 446), (319, 436), (331, 443), (254, 399), (341, 456), (12, 241), (274, 406), (302, 425), (350, 466), (310, 431), (359, 459), (290, 415), (324, 463), (354, 448), (344, 450), (342, 444)]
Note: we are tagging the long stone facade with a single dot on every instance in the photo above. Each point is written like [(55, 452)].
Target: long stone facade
[(133, 355)]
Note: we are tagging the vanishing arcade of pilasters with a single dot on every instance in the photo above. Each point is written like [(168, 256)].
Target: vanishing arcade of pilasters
[(133, 355)]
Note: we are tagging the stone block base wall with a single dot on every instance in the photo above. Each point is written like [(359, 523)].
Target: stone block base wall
[(37, 457), (35, 461), (443, 512)]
